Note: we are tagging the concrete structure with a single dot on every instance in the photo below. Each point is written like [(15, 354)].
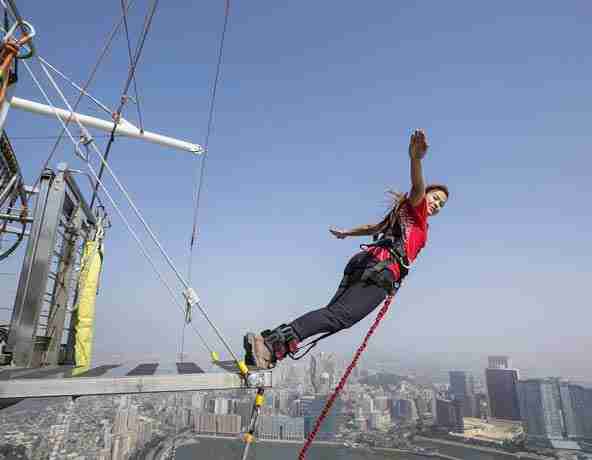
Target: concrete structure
[(281, 427), (217, 424), (367, 404), (556, 412), (405, 409), (448, 414), (379, 421), (381, 403), (581, 410), (462, 388), (503, 393), (499, 362), (330, 425)]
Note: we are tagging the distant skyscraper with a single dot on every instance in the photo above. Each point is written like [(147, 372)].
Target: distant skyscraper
[(499, 362), (462, 387), (448, 414), (581, 405), (502, 389), (281, 427), (421, 406), (555, 412), (405, 409), (367, 404), (540, 402), (198, 400), (243, 409), (379, 421), (330, 425), (381, 403)]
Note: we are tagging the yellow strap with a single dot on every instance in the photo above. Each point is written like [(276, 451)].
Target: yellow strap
[(242, 367)]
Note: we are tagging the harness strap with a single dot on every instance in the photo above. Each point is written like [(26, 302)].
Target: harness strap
[(377, 272), (281, 341)]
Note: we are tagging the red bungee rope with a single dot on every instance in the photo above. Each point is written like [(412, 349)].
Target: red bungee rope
[(344, 378)]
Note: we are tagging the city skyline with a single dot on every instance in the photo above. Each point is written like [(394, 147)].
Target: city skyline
[(484, 345), (374, 410)]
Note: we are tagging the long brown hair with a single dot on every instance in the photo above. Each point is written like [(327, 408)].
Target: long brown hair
[(395, 201)]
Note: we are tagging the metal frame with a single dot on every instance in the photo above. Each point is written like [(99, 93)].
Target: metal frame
[(124, 127), (61, 221), (92, 386)]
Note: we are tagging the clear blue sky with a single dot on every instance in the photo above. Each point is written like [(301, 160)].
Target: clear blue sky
[(316, 103)]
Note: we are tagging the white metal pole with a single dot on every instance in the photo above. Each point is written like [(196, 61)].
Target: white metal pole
[(124, 128)]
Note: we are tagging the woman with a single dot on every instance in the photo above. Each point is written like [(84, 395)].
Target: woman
[(370, 275)]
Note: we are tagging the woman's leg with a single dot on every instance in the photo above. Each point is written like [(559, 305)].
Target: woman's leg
[(352, 302), (353, 305)]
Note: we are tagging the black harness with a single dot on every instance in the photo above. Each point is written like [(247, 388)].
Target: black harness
[(379, 273), (393, 241)]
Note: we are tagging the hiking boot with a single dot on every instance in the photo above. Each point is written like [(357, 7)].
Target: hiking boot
[(256, 352)]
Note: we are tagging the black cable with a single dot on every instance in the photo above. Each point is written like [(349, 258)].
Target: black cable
[(129, 51), (117, 115), (199, 185), (81, 95), (197, 194)]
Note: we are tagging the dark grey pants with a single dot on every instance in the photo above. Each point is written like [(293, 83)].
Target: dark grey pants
[(353, 301)]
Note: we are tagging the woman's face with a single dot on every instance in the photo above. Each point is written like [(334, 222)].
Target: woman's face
[(436, 200)]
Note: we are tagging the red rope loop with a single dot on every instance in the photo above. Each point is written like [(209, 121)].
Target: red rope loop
[(344, 378)]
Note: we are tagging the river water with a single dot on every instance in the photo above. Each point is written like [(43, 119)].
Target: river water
[(226, 449)]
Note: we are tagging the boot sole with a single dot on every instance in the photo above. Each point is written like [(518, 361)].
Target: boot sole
[(248, 345)]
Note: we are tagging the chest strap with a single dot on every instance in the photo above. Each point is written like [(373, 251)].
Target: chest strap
[(378, 273)]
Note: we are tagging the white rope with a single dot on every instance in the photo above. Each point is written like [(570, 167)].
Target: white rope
[(77, 87), (117, 208), (86, 135), (138, 214)]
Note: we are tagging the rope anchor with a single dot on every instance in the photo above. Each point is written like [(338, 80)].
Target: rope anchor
[(249, 436)]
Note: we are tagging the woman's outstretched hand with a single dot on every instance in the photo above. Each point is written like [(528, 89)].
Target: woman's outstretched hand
[(339, 234), (418, 145)]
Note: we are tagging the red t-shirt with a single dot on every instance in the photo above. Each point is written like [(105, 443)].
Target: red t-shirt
[(414, 226)]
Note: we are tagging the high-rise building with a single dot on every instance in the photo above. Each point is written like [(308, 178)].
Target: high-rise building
[(301, 407), (217, 424), (502, 389), (421, 406), (243, 409), (581, 411), (379, 420), (367, 404), (330, 425), (381, 403), (405, 409), (448, 414), (555, 413), (540, 402), (462, 387), (198, 400), (281, 427)]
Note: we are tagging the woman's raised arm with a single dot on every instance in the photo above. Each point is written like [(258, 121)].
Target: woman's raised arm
[(418, 147)]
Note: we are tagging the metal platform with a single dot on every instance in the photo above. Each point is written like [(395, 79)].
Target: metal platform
[(115, 379)]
